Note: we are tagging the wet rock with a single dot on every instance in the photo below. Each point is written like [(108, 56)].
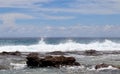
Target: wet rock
[(101, 66), (16, 53), (115, 52), (4, 53), (57, 53), (48, 57), (33, 60), (76, 64), (70, 59), (91, 52), (33, 55), (118, 67)]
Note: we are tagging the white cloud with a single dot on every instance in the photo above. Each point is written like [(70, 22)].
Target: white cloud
[(83, 30), (97, 6), (21, 3), (53, 17), (10, 28), (53, 31), (76, 6), (87, 7), (9, 19)]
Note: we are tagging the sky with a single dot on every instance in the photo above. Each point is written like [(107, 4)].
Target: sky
[(59, 18)]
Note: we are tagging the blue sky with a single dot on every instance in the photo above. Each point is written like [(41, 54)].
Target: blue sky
[(59, 18)]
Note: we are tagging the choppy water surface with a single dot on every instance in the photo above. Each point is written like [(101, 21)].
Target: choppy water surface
[(17, 64), (59, 44)]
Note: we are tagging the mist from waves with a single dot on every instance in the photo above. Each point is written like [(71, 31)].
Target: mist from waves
[(64, 45)]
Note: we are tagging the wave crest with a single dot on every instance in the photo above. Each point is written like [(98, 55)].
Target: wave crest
[(68, 45)]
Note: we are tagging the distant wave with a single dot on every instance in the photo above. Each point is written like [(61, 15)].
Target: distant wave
[(69, 45)]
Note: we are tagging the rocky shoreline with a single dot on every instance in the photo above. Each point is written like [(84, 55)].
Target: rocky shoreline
[(53, 59)]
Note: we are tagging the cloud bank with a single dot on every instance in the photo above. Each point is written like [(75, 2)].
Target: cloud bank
[(71, 6), (9, 28), (69, 13)]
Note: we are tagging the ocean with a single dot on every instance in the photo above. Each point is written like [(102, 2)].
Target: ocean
[(58, 44), (70, 46)]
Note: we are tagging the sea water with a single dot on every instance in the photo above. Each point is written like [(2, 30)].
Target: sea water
[(58, 44), (43, 45)]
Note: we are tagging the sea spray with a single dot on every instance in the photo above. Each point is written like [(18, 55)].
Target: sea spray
[(63, 45)]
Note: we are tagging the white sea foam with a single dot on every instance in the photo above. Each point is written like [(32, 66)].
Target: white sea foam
[(72, 69), (18, 65), (107, 68), (69, 45)]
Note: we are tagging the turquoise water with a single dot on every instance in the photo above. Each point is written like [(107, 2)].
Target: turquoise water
[(31, 41), (58, 44)]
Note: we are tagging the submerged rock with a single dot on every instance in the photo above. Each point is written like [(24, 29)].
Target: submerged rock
[(33, 60), (91, 52), (103, 65)]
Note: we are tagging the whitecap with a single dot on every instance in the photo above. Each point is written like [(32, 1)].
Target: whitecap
[(69, 45)]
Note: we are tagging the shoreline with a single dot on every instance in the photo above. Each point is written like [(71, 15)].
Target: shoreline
[(73, 52), (107, 61)]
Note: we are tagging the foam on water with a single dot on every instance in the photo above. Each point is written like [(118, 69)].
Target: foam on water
[(107, 68), (18, 65), (69, 45)]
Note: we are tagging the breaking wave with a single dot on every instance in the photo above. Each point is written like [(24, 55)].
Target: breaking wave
[(68, 45)]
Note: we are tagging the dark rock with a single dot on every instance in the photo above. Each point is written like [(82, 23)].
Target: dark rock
[(70, 59), (115, 52), (4, 53), (118, 67), (57, 53), (16, 53), (48, 57), (101, 66), (47, 62), (90, 52), (76, 64), (33, 60)]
